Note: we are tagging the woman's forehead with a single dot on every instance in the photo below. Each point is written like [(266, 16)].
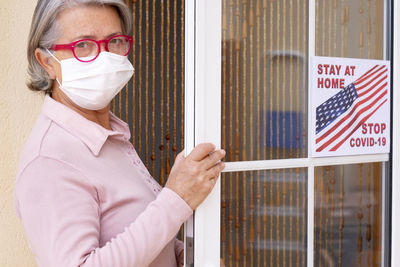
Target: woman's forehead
[(89, 21)]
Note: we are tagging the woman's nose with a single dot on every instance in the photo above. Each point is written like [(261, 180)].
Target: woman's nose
[(102, 47)]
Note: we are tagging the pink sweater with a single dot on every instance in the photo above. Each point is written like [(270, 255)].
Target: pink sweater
[(86, 199)]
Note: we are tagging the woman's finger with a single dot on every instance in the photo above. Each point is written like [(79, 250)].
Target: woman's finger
[(213, 159), (215, 170), (201, 151)]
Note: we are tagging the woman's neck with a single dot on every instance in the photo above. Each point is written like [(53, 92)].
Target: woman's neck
[(101, 117)]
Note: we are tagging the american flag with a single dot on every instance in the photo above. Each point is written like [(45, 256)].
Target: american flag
[(342, 114)]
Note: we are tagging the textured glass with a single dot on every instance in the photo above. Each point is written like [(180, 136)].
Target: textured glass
[(348, 201), (346, 28), (348, 215), (264, 79), (264, 218)]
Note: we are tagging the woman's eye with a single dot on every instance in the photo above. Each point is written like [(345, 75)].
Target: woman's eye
[(82, 45), (117, 41)]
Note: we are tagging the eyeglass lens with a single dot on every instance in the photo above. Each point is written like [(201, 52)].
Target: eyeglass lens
[(86, 50)]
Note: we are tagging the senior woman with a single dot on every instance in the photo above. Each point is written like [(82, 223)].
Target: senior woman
[(82, 193)]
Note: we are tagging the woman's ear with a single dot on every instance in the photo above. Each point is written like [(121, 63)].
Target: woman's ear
[(47, 62)]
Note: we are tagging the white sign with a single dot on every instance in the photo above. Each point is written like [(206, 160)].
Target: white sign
[(350, 106)]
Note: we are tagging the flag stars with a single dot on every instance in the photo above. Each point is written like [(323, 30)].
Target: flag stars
[(331, 109)]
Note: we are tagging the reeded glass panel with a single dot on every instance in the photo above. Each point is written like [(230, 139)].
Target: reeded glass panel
[(264, 79), (345, 28), (264, 218), (348, 199), (348, 215)]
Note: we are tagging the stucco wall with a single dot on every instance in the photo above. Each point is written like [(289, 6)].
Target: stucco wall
[(18, 110)]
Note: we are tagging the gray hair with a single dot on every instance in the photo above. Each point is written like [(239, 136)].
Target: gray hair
[(45, 31)]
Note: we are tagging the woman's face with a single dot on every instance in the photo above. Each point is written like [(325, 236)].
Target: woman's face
[(93, 22)]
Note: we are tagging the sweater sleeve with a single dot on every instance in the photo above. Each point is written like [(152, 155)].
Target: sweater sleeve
[(59, 208)]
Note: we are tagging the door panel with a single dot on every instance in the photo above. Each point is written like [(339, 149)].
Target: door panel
[(264, 92), (348, 198), (264, 84), (348, 215), (264, 217)]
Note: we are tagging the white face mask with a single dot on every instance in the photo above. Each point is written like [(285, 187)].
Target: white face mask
[(92, 85)]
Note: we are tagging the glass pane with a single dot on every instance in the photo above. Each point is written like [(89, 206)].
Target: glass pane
[(264, 79), (264, 218), (348, 215), (349, 28)]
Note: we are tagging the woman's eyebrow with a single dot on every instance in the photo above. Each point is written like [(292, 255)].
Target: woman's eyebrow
[(85, 36), (90, 36), (115, 33)]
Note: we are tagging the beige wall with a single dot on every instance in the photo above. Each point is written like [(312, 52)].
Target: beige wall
[(18, 110)]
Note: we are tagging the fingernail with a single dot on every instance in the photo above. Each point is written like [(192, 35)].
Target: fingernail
[(223, 152)]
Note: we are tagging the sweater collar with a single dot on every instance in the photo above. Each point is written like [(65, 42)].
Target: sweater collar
[(90, 133)]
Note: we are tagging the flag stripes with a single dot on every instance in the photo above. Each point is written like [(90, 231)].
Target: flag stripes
[(348, 115)]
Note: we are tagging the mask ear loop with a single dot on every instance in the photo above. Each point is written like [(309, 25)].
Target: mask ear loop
[(53, 56)]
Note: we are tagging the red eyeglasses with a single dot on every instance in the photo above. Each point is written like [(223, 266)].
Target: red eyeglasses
[(87, 50)]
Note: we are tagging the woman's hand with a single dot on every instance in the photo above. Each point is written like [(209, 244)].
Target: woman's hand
[(193, 177), (181, 259)]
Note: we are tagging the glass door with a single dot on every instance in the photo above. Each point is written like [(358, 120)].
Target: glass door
[(247, 78)]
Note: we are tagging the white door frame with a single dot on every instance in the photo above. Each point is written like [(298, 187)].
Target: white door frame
[(203, 124), (203, 116)]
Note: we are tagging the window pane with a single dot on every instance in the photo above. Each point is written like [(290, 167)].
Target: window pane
[(349, 29), (264, 79), (348, 215), (264, 217)]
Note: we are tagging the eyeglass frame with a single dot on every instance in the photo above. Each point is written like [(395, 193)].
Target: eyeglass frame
[(71, 46)]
